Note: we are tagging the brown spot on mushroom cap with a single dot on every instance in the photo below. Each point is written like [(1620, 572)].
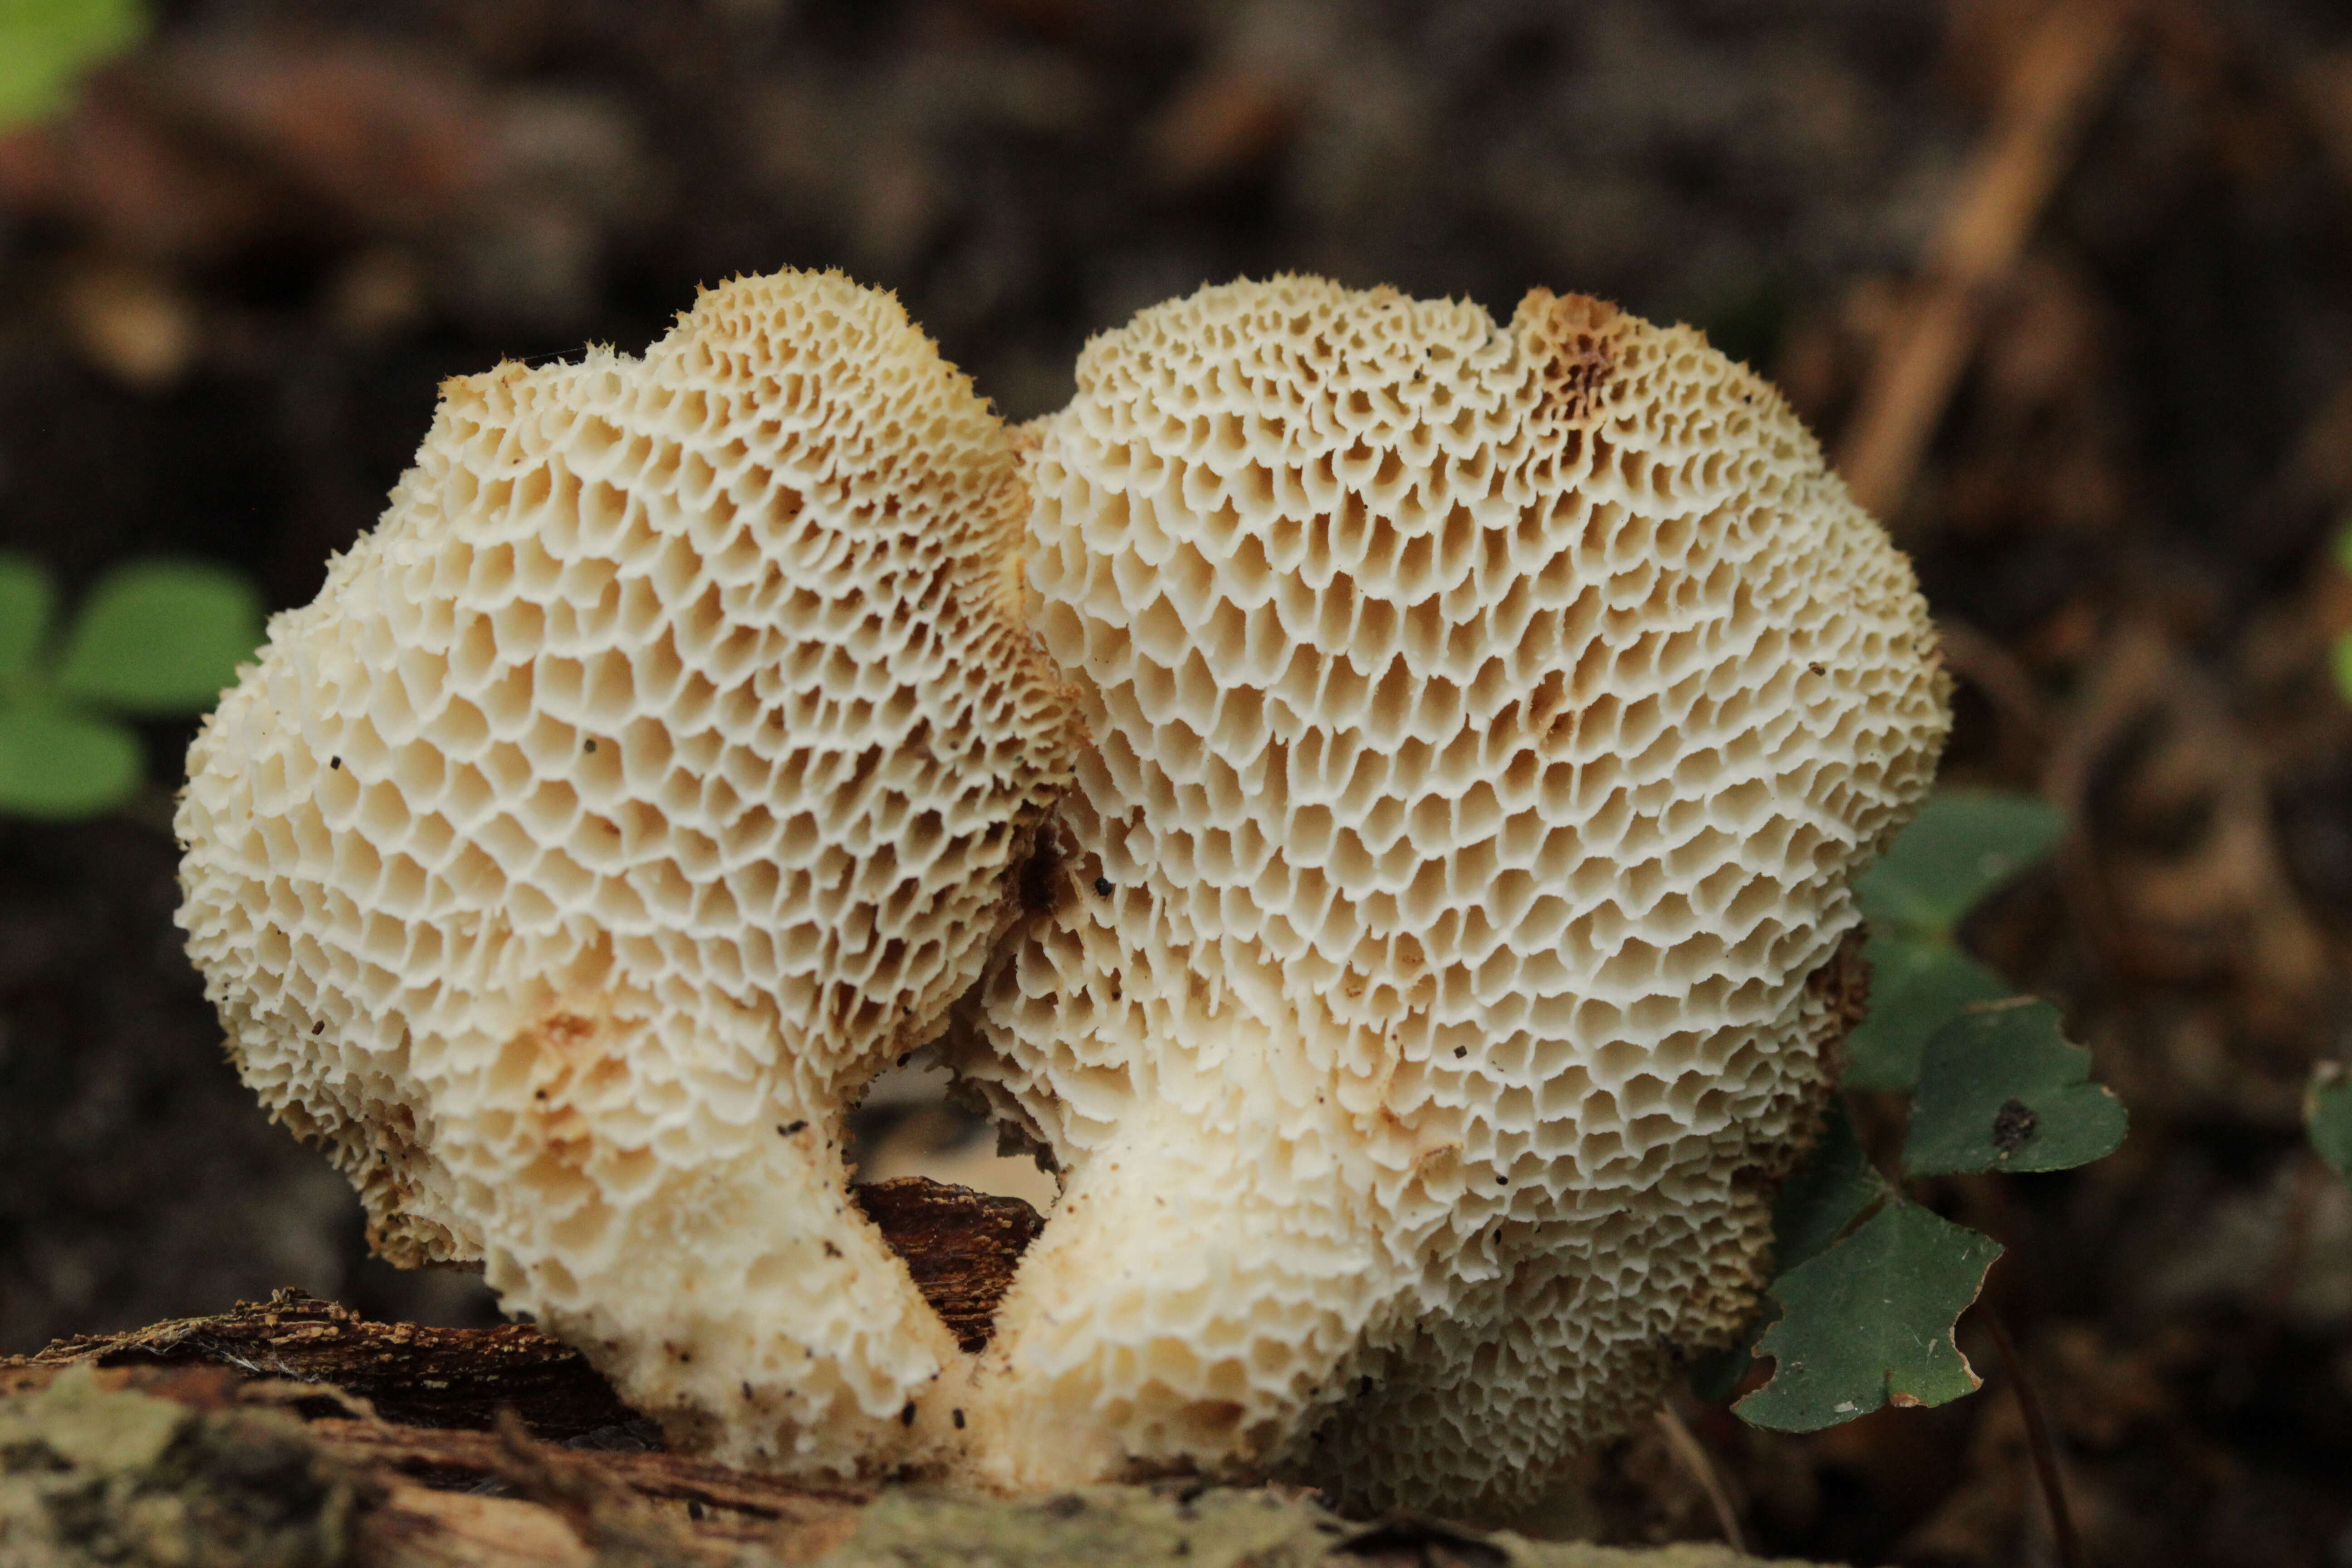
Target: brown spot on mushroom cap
[(649, 777), (1578, 334), (1488, 725)]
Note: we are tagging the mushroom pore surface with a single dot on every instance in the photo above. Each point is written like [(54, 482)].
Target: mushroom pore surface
[(1425, 978), (1487, 722), (654, 773)]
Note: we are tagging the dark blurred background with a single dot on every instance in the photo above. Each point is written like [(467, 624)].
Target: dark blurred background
[(2111, 418)]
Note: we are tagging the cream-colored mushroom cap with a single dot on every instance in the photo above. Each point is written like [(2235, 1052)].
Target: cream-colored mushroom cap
[(648, 778), (1488, 723)]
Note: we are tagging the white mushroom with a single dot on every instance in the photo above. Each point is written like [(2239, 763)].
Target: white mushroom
[(1488, 725), (650, 777), (1433, 966)]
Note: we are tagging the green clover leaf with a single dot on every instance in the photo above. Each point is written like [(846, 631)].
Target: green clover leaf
[(160, 638), (2001, 1089), (1868, 1322), (57, 764), (27, 604), (2327, 1115), (45, 45), (1965, 844)]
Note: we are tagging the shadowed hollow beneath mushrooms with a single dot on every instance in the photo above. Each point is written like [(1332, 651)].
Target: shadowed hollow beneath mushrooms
[(1392, 856)]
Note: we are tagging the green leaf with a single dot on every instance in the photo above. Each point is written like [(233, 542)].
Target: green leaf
[(1966, 843), (45, 43), (1869, 1322), (1917, 986), (55, 765), (161, 637), (27, 601), (2001, 1089), (2327, 1112), (1836, 1184), (2342, 661)]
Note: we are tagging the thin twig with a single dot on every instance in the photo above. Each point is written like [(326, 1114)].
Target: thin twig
[(2045, 104), (1701, 1465), (2006, 683), (2037, 1439)]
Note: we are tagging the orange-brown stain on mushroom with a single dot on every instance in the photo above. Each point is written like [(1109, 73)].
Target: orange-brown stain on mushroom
[(572, 1058)]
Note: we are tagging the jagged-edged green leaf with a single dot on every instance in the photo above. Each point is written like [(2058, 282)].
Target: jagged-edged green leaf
[(2002, 1089), (1869, 1322), (45, 43), (1917, 986), (161, 637), (27, 601), (2327, 1113), (1836, 1186), (1966, 843), (57, 764)]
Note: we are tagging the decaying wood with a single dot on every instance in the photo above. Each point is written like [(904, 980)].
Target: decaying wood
[(415, 1527), (434, 1419), (960, 1246), (736, 1499), (92, 1473), (385, 1495), (208, 1465), (408, 1374), (420, 1448)]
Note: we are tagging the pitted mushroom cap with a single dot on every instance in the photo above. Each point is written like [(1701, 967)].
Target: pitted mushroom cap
[(1488, 723), (653, 774), (1438, 957)]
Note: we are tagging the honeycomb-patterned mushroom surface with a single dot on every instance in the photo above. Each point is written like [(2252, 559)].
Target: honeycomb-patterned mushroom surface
[(654, 773), (1488, 725)]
